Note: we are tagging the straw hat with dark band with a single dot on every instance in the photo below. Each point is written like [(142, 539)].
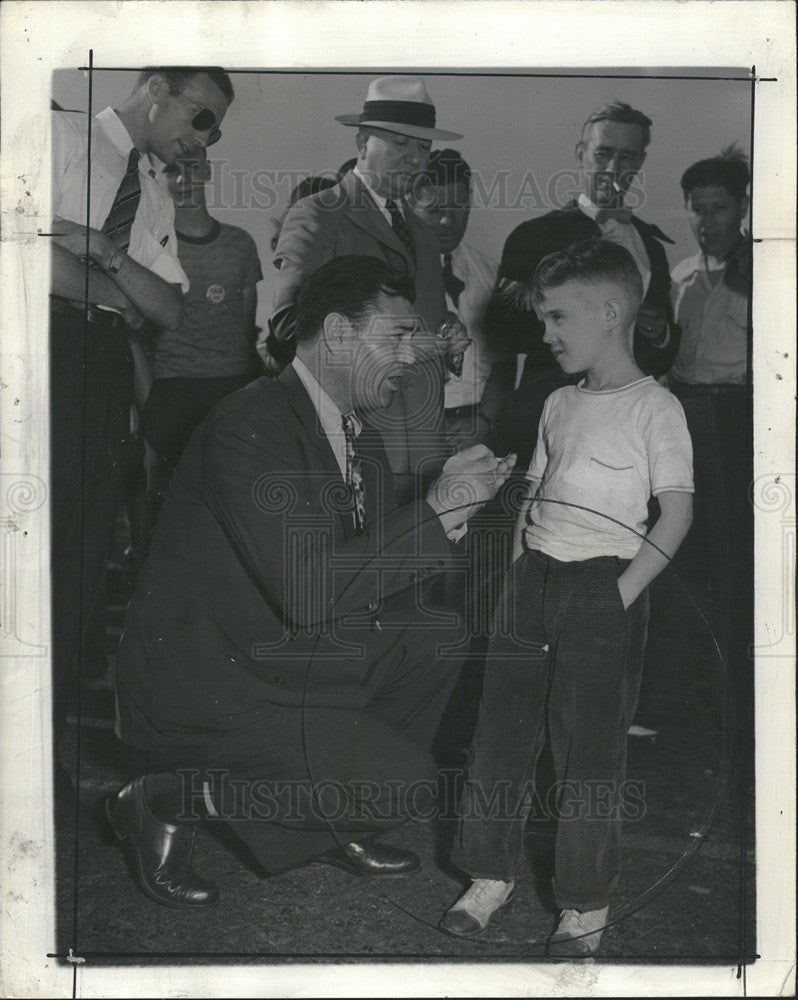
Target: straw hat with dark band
[(399, 104)]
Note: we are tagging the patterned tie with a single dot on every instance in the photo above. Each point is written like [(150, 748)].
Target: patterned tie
[(126, 203), (354, 479), (453, 285), (400, 228)]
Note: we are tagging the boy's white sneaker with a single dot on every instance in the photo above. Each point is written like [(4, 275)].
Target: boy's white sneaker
[(473, 910), (578, 934)]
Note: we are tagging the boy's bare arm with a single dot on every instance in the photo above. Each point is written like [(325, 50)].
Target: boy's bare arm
[(666, 535), (521, 520)]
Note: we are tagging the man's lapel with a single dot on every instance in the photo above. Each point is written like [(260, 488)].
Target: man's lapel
[(649, 231), (362, 210), (305, 411), (378, 482)]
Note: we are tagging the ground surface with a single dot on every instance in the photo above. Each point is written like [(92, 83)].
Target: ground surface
[(686, 894)]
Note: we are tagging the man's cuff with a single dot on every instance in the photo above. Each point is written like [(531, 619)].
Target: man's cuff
[(664, 340), (457, 533)]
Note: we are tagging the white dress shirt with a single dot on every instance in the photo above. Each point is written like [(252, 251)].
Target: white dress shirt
[(379, 201), (714, 321), (622, 233), (478, 273), (152, 238)]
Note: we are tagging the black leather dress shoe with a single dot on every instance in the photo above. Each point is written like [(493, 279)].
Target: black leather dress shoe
[(161, 852), (371, 859)]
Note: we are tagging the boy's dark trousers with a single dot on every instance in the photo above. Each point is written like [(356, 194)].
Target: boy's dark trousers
[(563, 650)]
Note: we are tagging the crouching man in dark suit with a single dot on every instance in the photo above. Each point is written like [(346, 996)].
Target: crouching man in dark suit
[(279, 664)]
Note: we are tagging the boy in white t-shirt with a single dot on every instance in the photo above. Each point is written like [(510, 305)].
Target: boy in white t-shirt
[(567, 648)]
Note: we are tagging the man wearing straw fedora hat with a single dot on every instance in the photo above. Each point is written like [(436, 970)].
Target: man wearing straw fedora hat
[(365, 213)]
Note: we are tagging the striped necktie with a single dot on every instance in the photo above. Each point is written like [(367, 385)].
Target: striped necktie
[(400, 227), (123, 211), (453, 285), (354, 478)]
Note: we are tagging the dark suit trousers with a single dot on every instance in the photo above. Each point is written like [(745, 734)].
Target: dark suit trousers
[(91, 389), (718, 553), (302, 780)]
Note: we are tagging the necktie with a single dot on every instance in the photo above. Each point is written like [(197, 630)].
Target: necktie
[(400, 227), (126, 203), (622, 215), (453, 285), (354, 479)]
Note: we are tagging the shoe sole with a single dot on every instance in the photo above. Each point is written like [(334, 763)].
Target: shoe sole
[(123, 834), (570, 955), (351, 870), (479, 930)]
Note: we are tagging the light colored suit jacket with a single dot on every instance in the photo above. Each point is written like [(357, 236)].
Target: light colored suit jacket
[(345, 220)]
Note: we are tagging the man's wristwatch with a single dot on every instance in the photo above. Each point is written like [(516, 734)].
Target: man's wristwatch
[(116, 261)]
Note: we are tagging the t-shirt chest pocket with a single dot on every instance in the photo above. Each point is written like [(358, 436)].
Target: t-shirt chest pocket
[(610, 487)]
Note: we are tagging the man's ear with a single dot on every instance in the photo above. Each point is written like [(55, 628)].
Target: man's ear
[(157, 88), (334, 331), (580, 152), (744, 206), (361, 138)]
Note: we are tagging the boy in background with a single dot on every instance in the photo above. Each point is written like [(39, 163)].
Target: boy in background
[(711, 377), (571, 623), (212, 353)]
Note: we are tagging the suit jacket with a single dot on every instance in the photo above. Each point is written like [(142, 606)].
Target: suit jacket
[(345, 220), (257, 590), (507, 328)]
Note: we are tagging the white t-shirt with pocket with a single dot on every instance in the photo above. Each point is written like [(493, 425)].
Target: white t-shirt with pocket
[(600, 456)]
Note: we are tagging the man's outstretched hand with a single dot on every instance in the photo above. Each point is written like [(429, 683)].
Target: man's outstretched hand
[(468, 480)]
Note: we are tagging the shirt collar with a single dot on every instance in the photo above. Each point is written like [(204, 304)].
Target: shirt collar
[(118, 135), (590, 209), (381, 202), (116, 131), (329, 412)]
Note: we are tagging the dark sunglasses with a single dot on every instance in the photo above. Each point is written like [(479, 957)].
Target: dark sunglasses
[(204, 120)]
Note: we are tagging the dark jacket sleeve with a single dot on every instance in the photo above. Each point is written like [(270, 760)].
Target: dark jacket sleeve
[(651, 358)]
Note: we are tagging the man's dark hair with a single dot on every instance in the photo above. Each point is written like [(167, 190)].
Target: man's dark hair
[(625, 114), (729, 171), (349, 286), (447, 166), (588, 262), (178, 76)]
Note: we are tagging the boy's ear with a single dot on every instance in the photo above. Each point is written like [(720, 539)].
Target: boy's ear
[(614, 312)]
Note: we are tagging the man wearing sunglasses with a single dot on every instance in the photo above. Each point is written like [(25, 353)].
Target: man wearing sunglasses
[(105, 282)]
